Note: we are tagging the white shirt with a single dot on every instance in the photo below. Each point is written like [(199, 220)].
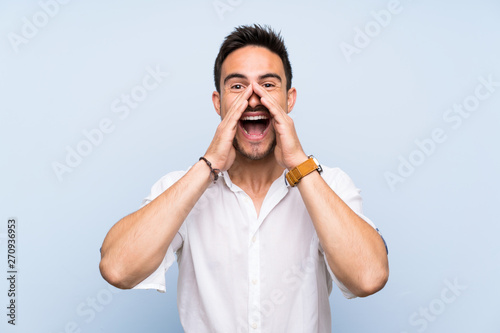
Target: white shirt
[(239, 272)]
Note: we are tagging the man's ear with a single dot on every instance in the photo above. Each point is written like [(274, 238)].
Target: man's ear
[(291, 97), (216, 101)]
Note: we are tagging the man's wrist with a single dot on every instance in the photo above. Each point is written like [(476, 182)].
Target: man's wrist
[(301, 158), (214, 172), (295, 175)]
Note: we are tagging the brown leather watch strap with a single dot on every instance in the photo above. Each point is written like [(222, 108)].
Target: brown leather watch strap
[(300, 171)]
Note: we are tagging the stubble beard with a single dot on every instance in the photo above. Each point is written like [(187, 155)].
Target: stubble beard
[(254, 154)]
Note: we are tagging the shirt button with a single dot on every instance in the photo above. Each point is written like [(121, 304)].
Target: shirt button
[(254, 239), (254, 325), (254, 281)]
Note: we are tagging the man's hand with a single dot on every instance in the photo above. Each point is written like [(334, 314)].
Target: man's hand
[(221, 152), (288, 151)]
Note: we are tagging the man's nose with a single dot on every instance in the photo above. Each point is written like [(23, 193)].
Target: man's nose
[(254, 100)]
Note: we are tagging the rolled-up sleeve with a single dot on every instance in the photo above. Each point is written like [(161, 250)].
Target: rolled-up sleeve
[(157, 279), (344, 187)]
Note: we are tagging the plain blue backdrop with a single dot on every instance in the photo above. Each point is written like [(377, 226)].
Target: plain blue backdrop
[(375, 81)]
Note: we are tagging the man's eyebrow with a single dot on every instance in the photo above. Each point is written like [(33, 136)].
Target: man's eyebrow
[(241, 76), (268, 75), (232, 75)]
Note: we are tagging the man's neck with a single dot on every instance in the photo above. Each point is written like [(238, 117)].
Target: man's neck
[(255, 176)]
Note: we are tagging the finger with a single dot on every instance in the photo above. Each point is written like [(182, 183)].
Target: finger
[(278, 137), (269, 102), (240, 99), (239, 106)]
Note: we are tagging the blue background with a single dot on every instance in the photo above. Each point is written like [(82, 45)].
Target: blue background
[(361, 112)]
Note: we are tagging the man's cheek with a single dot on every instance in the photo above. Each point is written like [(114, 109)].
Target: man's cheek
[(231, 100)]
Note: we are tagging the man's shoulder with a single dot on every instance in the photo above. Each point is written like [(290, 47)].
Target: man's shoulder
[(162, 184), (173, 175), (169, 179), (337, 178), (333, 173)]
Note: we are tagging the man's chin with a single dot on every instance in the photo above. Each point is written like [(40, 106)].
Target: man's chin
[(254, 154)]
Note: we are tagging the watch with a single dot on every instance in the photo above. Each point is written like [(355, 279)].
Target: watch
[(300, 171)]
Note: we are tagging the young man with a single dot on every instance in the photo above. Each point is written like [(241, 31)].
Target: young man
[(259, 233)]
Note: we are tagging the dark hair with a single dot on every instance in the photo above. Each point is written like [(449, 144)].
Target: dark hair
[(257, 35)]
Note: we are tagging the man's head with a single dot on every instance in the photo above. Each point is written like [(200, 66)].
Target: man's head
[(253, 57), (252, 35)]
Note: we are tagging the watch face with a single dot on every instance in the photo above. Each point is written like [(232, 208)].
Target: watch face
[(320, 169)]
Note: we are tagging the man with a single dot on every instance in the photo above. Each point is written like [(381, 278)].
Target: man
[(259, 233)]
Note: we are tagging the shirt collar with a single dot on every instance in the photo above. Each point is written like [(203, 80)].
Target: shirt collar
[(235, 188), (227, 180)]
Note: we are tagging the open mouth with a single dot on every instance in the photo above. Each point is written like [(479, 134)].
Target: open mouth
[(255, 126)]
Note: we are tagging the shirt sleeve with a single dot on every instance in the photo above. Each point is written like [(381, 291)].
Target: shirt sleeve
[(157, 279), (344, 187)]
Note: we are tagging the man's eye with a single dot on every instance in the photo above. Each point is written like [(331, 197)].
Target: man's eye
[(237, 86), (268, 85)]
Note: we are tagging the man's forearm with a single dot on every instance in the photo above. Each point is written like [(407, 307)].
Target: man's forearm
[(354, 250), (136, 245)]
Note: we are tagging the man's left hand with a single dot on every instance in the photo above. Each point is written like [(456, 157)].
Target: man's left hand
[(288, 151)]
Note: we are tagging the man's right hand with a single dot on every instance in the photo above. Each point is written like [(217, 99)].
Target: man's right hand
[(136, 245), (221, 152)]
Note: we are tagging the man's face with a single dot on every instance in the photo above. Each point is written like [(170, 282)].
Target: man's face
[(255, 136)]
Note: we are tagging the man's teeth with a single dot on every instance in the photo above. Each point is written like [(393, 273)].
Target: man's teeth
[(254, 117)]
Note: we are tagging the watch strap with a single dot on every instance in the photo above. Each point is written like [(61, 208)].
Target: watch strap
[(300, 171)]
